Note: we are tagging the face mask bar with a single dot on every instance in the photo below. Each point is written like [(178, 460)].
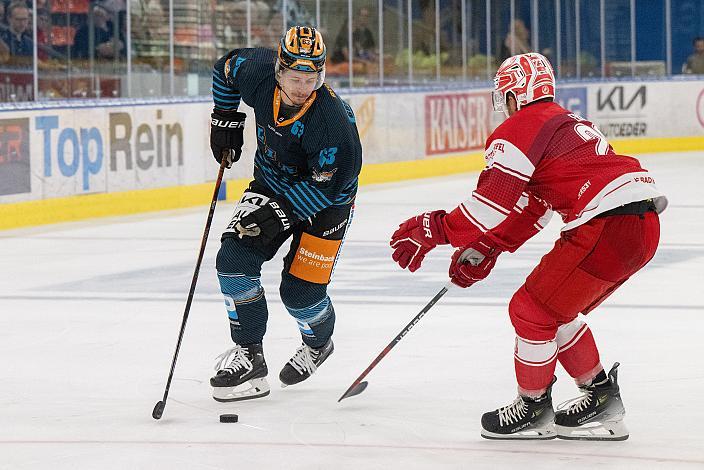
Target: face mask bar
[(497, 100)]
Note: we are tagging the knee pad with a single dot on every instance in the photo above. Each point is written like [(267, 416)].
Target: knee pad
[(531, 319), (297, 294), (234, 257)]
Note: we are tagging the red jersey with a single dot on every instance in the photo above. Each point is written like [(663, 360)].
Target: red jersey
[(543, 159)]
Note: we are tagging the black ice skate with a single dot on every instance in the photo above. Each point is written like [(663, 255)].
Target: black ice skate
[(595, 416), (241, 374), (525, 418), (304, 363)]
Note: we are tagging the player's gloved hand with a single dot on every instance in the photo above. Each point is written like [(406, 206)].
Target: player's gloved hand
[(227, 135), (416, 237), (266, 222), (473, 262)]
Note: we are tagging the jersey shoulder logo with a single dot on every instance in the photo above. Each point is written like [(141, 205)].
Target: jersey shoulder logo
[(323, 176)]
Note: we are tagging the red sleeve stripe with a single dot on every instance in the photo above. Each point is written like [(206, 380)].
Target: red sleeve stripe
[(511, 172), (490, 203)]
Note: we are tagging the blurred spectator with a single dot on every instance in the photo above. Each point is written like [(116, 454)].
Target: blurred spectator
[(150, 33), (4, 53), (15, 40), (44, 49), (517, 40), (269, 35), (695, 62), (363, 43), (106, 42), (296, 13), (3, 23), (231, 26)]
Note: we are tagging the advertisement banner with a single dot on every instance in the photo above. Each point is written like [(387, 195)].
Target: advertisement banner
[(621, 110), (457, 122), (59, 152), (113, 146)]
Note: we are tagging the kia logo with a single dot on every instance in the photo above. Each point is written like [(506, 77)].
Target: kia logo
[(617, 100), (700, 108)]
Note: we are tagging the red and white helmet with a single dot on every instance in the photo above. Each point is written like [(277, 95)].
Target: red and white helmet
[(529, 77)]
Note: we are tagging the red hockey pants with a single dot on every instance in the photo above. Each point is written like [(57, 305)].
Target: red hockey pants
[(584, 267)]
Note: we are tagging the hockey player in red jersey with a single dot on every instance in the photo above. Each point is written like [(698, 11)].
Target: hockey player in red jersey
[(545, 159)]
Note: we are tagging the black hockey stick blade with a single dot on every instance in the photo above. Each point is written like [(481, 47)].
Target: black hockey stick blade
[(355, 389), (158, 410)]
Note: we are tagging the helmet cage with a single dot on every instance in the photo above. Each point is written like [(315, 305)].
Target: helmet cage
[(529, 77)]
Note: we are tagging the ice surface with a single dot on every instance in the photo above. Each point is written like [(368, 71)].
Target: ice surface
[(90, 312)]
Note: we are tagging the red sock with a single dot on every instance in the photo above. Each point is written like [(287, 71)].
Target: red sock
[(577, 351)]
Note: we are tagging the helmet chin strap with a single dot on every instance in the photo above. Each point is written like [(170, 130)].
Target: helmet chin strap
[(284, 92)]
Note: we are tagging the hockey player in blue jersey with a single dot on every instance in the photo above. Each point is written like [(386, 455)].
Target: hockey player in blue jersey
[(306, 166)]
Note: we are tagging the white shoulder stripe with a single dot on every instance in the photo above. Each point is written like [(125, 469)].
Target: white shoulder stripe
[(509, 157)]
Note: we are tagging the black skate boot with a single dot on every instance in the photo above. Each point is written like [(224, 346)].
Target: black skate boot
[(595, 416), (525, 418), (304, 363), (241, 374)]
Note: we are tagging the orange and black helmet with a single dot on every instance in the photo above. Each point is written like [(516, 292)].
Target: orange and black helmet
[(302, 49)]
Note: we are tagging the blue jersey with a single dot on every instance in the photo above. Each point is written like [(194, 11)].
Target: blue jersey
[(313, 158)]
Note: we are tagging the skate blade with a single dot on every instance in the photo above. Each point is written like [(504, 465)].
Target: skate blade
[(607, 431), (542, 433), (255, 388)]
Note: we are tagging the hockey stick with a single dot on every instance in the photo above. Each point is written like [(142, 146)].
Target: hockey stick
[(359, 386), (159, 407)]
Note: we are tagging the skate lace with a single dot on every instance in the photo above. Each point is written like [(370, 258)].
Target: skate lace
[(512, 413), (233, 360), (304, 360), (579, 404)]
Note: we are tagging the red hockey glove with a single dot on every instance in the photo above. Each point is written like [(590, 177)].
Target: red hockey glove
[(473, 262), (416, 237)]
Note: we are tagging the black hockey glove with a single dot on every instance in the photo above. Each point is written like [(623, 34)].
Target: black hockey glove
[(226, 135), (266, 222)]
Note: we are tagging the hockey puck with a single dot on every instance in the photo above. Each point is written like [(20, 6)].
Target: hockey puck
[(228, 418)]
